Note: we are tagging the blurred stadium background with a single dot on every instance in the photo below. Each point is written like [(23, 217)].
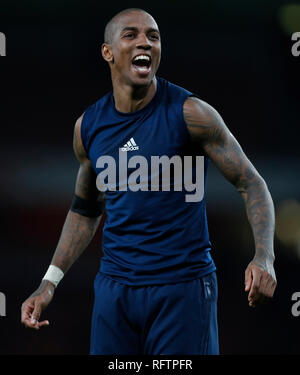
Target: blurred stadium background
[(236, 56)]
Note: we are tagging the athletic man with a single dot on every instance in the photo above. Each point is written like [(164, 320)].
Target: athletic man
[(156, 291)]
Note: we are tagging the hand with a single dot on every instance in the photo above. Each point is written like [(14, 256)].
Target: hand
[(260, 281), (35, 304)]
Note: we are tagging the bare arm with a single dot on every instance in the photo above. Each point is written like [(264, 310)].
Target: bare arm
[(77, 232), (209, 131)]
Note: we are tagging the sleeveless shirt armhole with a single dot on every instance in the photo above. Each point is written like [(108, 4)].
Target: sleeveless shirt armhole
[(84, 130)]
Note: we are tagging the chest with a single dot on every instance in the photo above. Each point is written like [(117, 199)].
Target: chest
[(156, 133)]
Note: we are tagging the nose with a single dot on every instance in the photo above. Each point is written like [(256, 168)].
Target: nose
[(143, 42)]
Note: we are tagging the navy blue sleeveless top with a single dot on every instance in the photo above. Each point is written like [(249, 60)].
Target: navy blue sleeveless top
[(156, 227)]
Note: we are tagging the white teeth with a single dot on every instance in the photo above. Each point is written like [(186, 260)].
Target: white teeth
[(142, 57)]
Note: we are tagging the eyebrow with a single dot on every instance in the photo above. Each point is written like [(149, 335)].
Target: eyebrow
[(132, 28)]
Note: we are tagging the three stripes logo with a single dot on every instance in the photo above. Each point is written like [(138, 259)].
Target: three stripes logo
[(130, 146)]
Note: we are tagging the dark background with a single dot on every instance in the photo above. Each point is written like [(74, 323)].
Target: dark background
[(236, 55)]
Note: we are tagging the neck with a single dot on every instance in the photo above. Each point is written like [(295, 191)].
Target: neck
[(132, 98)]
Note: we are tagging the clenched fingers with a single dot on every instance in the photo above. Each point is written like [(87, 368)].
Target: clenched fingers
[(260, 284)]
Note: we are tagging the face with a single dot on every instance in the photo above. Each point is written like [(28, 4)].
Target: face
[(134, 54)]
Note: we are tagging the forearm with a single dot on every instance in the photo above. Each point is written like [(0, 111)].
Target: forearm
[(260, 213), (76, 235)]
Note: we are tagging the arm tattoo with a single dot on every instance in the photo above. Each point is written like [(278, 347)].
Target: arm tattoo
[(208, 131), (76, 235)]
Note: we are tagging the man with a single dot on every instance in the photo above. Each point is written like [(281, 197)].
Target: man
[(156, 291)]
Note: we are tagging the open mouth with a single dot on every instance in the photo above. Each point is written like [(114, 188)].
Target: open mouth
[(141, 64)]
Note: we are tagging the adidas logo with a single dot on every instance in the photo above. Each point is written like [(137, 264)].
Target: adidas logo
[(130, 145)]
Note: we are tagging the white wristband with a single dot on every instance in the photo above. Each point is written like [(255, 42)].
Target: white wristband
[(54, 275)]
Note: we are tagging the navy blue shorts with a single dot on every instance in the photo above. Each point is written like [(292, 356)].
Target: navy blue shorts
[(172, 319)]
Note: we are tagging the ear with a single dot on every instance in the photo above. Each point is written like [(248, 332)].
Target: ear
[(107, 52)]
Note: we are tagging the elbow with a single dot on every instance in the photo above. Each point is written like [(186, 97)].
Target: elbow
[(251, 183)]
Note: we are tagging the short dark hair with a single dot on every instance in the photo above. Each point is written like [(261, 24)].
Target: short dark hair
[(109, 28)]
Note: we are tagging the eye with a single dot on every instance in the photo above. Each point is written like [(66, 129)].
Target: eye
[(154, 37), (129, 35)]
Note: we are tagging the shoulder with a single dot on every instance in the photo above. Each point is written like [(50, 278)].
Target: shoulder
[(174, 97), (173, 91), (197, 111), (86, 123), (204, 123), (93, 109)]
